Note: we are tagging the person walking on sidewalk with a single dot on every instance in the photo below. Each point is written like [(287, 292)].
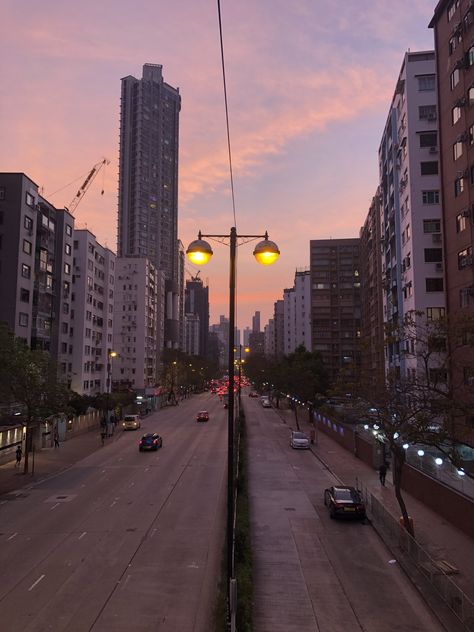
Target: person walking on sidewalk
[(18, 454), (383, 473), (56, 439)]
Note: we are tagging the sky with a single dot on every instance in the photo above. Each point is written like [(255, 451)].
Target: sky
[(309, 86)]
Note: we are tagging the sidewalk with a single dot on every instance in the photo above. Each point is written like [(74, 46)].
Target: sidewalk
[(437, 536), (50, 461)]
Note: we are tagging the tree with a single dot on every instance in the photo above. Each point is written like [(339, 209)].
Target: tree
[(29, 379)]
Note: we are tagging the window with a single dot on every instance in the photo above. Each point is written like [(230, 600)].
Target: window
[(24, 295), (68, 230), (461, 221), (455, 114), (67, 249), (434, 285), (427, 112), (458, 186), (25, 271), (430, 197), (28, 223), (431, 225), (457, 150), (451, 10), (464, 297), (433, 255), (428, 139), (470, 95), (426, 82), (29, 199), (455, 76), (64, 328), (27, 247), (435, 313), (465, 258), (67, 268), (429, 168), (23, 319)]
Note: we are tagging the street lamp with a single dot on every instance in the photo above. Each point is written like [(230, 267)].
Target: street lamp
[(199, 252)]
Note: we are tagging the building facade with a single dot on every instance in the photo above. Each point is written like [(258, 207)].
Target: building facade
[(193, 334), (410, 210), (335, 305), (279, 326), (297, 313), (138, 325), (92, 314), (197, 302)]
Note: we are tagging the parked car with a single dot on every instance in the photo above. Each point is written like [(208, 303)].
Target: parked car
[(266, 403), (131, 422), (202, 415), (299, 440), (253, 394), (344, 501), (150, 441)]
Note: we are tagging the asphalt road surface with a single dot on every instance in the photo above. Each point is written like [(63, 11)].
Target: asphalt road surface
[(311, 573), (122, 541)]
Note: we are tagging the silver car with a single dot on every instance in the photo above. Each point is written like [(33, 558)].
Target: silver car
[(299, 440)]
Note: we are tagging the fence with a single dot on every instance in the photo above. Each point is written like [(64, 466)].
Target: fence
[(403, 545)]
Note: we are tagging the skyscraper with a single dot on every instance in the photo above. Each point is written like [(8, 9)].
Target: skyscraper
[(197, 302), (148, 181)]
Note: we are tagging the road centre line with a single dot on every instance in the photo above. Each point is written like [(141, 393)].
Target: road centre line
[(12, 536), (36, 582), (82, 535), (54, 506)]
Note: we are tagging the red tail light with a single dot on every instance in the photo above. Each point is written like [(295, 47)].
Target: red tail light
[(155, 440)]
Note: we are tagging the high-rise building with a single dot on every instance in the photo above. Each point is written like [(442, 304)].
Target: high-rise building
[(197, 302), (138, 326), (269, 334), (192, 334), (297, 313), (410, 209), (372, 324), (335, 304), (247, 331), (256, 323), (36, 260), (93, 313), (148, 182), (279, 320)]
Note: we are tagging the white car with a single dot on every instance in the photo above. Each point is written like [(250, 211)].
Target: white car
[(299, 441), (131, 422), (266, 403)]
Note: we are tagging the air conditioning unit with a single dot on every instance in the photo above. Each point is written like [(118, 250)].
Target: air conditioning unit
[(439, 267), (433, 150)]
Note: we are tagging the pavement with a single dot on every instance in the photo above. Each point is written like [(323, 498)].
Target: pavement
[(440, 539)]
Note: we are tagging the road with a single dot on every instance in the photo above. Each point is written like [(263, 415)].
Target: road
[(311, 573), (122, 540)]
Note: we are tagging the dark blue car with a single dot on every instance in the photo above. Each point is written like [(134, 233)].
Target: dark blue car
[(150, 441)]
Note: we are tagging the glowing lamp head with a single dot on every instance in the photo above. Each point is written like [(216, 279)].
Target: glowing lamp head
[(266, 252), (199, 252)]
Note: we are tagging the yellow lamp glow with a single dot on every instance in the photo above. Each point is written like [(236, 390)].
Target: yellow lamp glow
[(266, 252), (113, 354), (199, 252)]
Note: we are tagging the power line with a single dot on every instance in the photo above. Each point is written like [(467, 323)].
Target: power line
[(226, 112)]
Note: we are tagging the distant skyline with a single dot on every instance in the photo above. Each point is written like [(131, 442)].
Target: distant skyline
[(309, 88)]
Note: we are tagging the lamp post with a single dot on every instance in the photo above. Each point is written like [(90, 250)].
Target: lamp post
[(199, 252)]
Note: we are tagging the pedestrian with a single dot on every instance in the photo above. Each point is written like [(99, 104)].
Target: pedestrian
[(103, 436), (383, 473), (18, 456), (56, 439), (112, 422)]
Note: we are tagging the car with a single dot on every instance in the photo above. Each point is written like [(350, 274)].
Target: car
[(131, 422), (150, 441), (299, 441), (344, 501), (266, 403), (202, 415), (253, 394)]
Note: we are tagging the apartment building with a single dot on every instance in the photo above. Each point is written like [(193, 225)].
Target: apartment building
[(138, 323), (269, 335), (197, 302), (297, 313), (193, 334), (335, 304), (35, 268), (93, 286), (410, 209), (279, 320), (372, 325)]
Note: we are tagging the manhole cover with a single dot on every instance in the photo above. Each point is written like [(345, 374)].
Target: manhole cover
[(63, 498)]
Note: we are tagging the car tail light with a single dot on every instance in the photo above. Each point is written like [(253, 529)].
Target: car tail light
[(140, 443), (155, 440)]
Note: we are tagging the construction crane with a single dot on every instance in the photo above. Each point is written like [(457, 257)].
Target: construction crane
[(86, 184)]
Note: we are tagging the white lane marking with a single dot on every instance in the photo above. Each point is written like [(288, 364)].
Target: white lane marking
[(3, 502), (54, 506), (131, 485), (153, 532), (12, 536), (82, 535), (114, 503), (193, 565), (103, 471), (146, 469), (127, 579), (36, 582)]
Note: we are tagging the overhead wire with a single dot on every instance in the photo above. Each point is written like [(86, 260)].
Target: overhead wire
[(226, 112)]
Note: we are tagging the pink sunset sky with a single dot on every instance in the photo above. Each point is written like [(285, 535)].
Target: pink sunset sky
[(309, 86)]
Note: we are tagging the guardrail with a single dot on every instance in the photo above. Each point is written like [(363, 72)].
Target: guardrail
[(437, 572)]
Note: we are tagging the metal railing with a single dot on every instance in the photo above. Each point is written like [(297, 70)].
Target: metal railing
[(400, 542)]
